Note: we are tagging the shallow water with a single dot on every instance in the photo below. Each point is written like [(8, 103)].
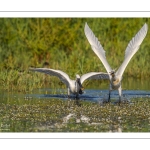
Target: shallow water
[(91, 94), (94, 91), (98, 90), (41, 109)]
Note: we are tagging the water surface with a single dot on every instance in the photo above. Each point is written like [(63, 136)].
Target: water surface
[(94, 91)]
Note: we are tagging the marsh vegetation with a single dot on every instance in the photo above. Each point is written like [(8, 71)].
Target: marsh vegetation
[(26, 42), (54, 115)]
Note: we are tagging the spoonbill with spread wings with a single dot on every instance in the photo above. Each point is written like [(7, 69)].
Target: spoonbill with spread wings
[(115, 77), (74, 86)]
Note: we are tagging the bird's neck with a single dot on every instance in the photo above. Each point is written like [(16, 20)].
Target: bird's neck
[(115, 80), (114, 77)]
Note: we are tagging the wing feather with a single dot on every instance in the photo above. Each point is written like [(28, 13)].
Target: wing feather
[(97, 47), (58, 73), (132, 48), (94, 75)]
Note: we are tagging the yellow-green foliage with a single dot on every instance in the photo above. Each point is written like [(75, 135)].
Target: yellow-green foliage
[(28, 42)]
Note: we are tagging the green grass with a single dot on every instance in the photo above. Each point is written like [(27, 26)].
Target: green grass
[(22, 113), (62, 43)]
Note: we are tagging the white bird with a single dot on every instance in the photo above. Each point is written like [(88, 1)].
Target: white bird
[(74, 86), (115, 77)]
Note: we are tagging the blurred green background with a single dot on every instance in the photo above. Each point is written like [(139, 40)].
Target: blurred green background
[(61, 42)]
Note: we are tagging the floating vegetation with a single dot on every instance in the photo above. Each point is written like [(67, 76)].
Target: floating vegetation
[(27, 42), (33, 114), (51, 115)]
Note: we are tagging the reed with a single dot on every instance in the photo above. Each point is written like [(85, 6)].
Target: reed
[(26, 42), (61, 42)]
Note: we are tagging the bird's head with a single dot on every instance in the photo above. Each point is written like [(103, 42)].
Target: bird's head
[(77, 76), (112, 73), (79, 83)]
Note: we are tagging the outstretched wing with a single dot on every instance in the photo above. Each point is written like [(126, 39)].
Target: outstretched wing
[(58, 73), (94, 75), (97, 47), (132, 48)]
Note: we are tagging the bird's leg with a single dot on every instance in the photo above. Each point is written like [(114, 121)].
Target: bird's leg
[(77, 96), (109, 96), (68, 93), (120, 92), (77, 100), (110, 89)]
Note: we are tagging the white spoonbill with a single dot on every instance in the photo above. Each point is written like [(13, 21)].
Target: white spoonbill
[(74, 86), (115, 77)]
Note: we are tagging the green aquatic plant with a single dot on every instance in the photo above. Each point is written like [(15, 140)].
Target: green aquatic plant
[(50, 115), (26, 42), (61, 42)]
